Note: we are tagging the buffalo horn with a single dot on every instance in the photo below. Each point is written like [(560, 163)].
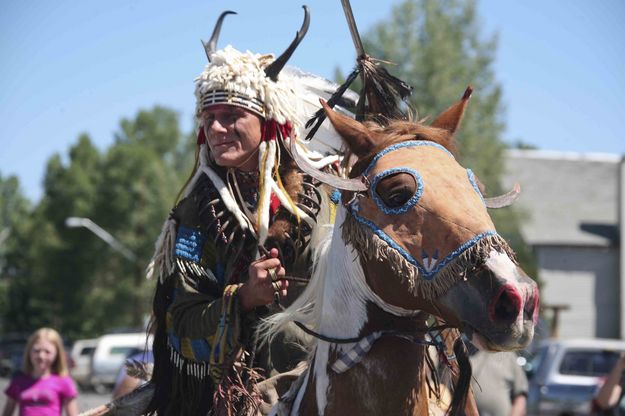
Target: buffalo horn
[(211, 46), (276, 66), (504, 200)]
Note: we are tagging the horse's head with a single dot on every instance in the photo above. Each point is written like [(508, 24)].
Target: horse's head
[(421, 223)]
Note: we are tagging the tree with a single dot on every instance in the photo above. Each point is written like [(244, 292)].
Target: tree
[(14, 207), (51, 266), (140, 178), (14, 213), (438, 49), (68, 277), (13, 204)]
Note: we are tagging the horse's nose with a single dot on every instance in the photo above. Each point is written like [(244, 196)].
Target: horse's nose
[(505, 305)]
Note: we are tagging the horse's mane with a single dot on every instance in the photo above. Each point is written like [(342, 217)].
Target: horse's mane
[(307, 308)]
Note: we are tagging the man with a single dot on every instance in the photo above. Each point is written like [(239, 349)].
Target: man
[(216, 278), (500, 385)]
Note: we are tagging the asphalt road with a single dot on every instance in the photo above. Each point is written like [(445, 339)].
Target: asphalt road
[(86, 400)]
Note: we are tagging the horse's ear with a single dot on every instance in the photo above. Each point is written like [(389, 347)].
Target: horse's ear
[(450, 119), (358, 138)]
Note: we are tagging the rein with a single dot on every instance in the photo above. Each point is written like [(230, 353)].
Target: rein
[(410, 335), (363, 344)]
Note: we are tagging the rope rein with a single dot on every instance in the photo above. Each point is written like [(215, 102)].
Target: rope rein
[(409, 335)]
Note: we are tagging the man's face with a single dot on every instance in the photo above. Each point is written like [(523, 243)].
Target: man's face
[(233, 135)]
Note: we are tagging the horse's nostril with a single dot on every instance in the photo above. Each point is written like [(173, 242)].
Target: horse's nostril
[(531, 307), (506, 305)]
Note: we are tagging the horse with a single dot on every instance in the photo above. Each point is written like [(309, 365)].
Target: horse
[(411, 239)]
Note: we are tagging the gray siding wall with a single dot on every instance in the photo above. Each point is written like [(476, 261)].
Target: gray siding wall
[(587, 279)]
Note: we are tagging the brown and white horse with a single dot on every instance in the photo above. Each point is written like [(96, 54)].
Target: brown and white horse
[(412, 237)]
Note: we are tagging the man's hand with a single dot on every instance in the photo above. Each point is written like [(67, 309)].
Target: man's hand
[(258, 290)]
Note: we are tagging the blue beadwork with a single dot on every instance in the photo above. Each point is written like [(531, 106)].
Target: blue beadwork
[(201, 349), (335, 197), (473, 181), (174, 341), (409, 204), (189, 244), (411, 143), (427, 275), (439, 266)]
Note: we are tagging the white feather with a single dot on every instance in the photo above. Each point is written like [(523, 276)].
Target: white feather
[(226, 196), (266, 150)]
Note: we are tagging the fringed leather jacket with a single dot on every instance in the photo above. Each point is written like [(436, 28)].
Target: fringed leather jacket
[(203, 344)]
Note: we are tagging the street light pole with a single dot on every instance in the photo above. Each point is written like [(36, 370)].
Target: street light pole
[(104, 235)]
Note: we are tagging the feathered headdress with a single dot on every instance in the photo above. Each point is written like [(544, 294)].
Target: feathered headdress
[(284, 99), (252, 81)]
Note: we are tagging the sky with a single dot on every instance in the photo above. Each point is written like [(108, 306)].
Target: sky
[(71, 67)]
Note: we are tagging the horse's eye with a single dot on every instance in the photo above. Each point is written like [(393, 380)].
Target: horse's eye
[(398, 197), (396, 190)]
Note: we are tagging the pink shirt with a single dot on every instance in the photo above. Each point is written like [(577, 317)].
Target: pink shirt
[(41, 397)]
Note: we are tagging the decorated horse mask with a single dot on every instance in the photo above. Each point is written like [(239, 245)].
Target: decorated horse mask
[(423, 205), (422, 211)]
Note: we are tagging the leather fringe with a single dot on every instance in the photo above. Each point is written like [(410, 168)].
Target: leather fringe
[(372, 247)]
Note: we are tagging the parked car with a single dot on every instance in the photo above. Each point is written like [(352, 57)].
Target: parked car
[(564, 374), (82, 353), (109, 355)]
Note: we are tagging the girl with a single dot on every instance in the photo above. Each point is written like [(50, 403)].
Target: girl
[(45, 387)]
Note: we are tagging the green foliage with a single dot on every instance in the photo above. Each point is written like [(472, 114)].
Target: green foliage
[(436, 46), (14, 212), (13, 208), (13, 205), (520, 144), (68, 277)]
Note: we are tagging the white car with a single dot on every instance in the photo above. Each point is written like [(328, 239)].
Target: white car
[(110, 353), (565, 374), (81, 353)]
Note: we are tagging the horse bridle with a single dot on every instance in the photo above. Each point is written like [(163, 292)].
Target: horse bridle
[(362, 184)]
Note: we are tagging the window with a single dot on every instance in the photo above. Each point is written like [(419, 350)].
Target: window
[(591, 363), (87, 351), (121, 350)]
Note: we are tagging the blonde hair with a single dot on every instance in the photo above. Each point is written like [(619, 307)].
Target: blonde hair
[(59, 366)]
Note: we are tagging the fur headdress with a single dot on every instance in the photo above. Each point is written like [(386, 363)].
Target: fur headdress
[(239, 79), (253, 82)]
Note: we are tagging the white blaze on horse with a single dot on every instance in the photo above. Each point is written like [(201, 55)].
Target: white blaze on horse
[(412, 237)]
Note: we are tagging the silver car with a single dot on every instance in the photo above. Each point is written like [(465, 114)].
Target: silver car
[(110, 353), (565, 374), (82, 353)]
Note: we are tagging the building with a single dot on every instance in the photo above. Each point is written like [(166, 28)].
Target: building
[(574, 205)]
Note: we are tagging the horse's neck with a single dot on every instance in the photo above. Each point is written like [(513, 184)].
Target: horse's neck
[(346, 294), (390, 374), (389, 380)]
